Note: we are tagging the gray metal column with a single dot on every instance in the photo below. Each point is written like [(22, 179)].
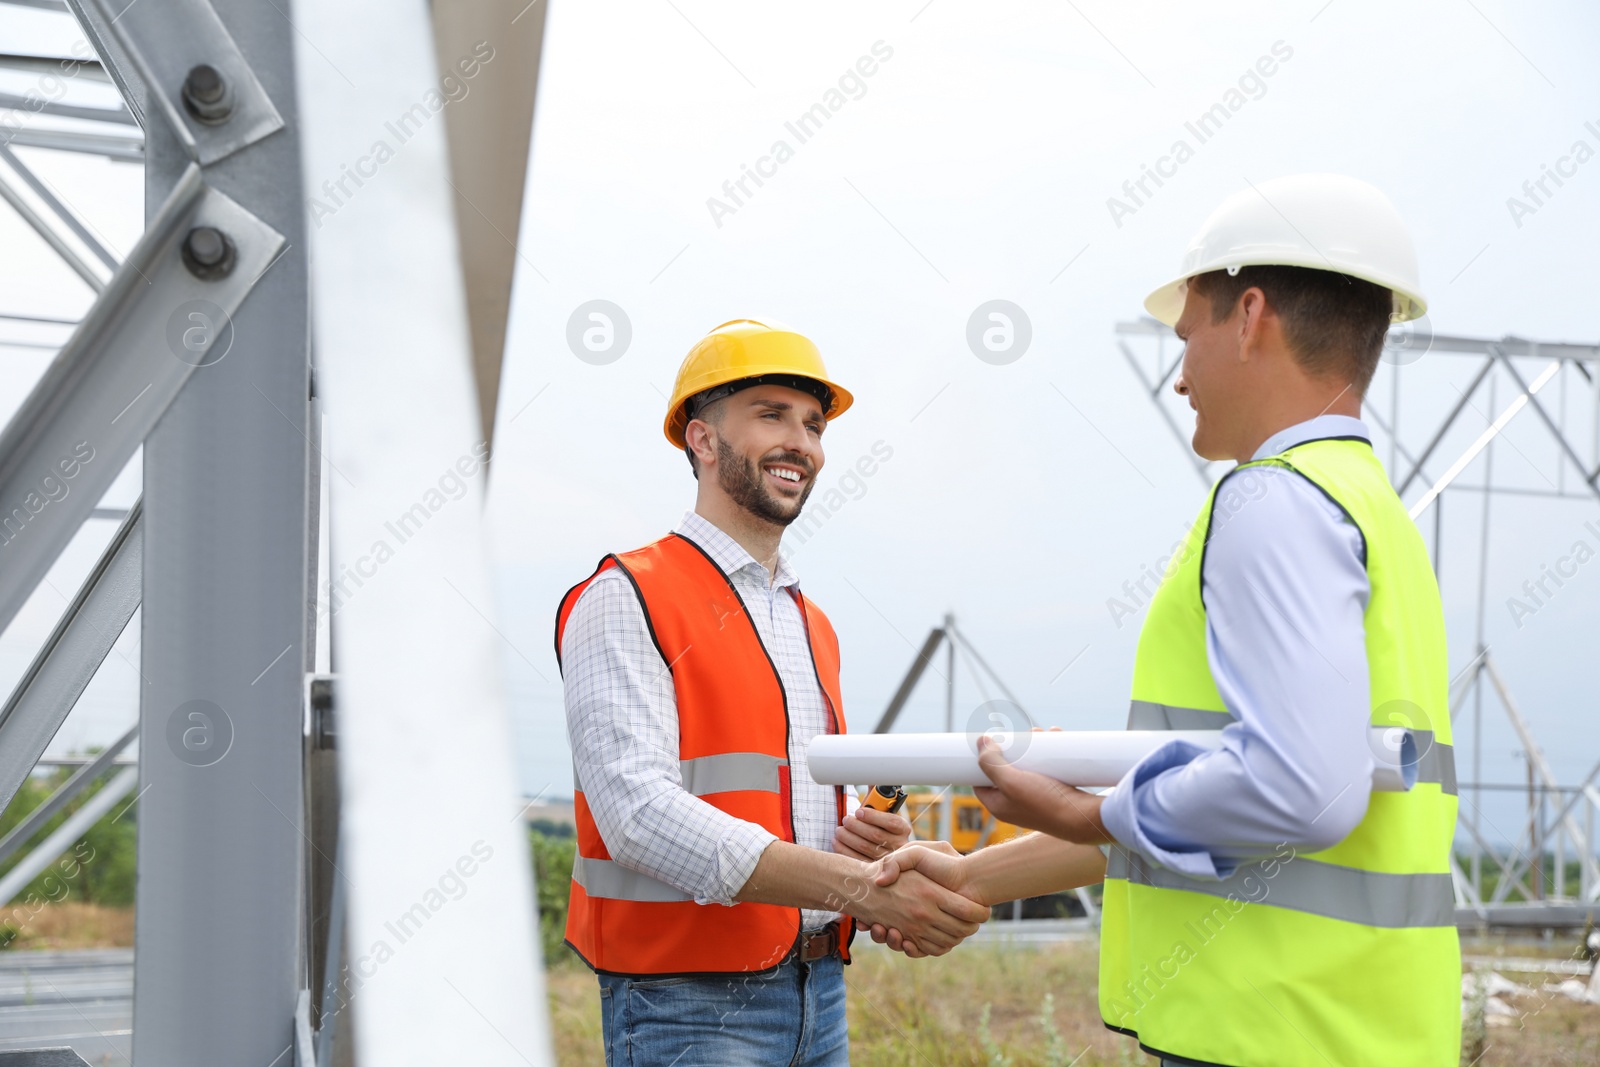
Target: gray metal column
[(218, 931)]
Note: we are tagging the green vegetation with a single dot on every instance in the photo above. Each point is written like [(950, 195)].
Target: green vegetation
[(98, 869), (552, 879)]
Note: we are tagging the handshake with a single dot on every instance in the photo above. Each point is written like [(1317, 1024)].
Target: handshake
[(924, 904), (924, 898), (918, 899)]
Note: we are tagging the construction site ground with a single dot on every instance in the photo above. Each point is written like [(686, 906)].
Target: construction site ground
[(985, 1004), (931, 1013)]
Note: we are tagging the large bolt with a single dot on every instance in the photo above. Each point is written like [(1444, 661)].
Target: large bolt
[(206, 95), (208, 253)]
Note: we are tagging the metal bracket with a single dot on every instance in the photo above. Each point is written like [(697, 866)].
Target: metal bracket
[(112, 381), (69, 657), (324, 724), (167, 61)]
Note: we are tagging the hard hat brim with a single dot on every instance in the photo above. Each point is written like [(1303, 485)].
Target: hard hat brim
[(1165, 304)]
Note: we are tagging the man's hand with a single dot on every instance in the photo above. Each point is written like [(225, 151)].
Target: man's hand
[(931, 915), (869, 834), (1036, 802), (937, 860)]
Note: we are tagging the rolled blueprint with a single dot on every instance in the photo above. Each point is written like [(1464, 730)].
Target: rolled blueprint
[(1088, 758)]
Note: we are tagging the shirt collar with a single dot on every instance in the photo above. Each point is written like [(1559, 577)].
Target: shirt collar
[(729, 554), (1311, 430)]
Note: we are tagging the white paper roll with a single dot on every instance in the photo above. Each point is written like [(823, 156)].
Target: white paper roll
[(1087, 758)]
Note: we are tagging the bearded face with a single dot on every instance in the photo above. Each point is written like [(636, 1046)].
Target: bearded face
[(775, 489)]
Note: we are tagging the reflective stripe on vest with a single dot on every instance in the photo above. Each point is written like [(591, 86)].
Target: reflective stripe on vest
[(724, 773), (732, 771), (1371, 898), (1146, 715), (612, 881), (1437, 764)]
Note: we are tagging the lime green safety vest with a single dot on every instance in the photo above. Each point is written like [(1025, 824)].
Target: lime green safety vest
[(1346, 956)]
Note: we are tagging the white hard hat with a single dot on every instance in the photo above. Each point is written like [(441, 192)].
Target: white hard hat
[(1323, 221)]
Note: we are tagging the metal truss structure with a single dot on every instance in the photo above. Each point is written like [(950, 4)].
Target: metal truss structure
[(1560, 823), (328, 871)]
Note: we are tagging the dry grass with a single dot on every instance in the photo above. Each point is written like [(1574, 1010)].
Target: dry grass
[(1552, 1032), (927, 1013), (71, 924)]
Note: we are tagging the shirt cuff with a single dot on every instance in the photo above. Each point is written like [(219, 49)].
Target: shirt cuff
[(1121, 809), (738, 852)]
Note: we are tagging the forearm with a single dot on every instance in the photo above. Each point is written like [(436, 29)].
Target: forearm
[(936, 917), (1232, 809), (1031, 866), (794, 876)]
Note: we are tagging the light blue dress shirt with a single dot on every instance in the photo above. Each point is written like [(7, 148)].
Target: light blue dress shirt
[(1285, 588)]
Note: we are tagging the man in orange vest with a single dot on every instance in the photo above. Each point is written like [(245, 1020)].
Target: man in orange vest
[(711, 870)]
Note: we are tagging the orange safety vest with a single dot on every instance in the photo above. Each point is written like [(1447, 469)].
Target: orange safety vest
[(733, 744)]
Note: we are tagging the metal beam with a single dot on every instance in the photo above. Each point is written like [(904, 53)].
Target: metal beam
[(467, 987), (1199, 465), (1535, 756), (1588, 476), (1530, 916), (106, 389), (167, 58), (69, 657), (1439, 342), (118, 66), (1449, 420), (1376, 416), (489, 133), (68, 254), (119, 115), (49, 64), (219, 930), (909, 682), (1515, 346), (992, 673), (62, 212), (1483, 441), (112, 146)]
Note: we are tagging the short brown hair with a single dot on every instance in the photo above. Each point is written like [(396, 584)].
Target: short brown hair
[(712, 413), (1334, 323)]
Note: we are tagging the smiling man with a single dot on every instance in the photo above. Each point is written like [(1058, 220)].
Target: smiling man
[(711, 869), (1262, 907)]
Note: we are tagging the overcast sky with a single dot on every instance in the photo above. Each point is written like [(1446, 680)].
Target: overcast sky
[(971, 153)]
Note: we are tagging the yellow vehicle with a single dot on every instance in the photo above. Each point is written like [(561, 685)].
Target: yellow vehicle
[(971, 828), (971, 825)]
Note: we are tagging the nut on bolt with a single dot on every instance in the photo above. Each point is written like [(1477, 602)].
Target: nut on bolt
[(207, 95), (208, 253)]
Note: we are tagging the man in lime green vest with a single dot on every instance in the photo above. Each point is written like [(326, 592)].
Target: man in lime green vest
[(1264, 908)]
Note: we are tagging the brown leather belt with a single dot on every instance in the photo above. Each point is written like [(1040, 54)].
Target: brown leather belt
[(820, 944)]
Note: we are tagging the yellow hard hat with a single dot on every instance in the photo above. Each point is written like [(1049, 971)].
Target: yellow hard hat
[(746, 349)]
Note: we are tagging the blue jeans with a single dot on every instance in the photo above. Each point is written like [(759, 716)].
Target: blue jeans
[(790, 1016)]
